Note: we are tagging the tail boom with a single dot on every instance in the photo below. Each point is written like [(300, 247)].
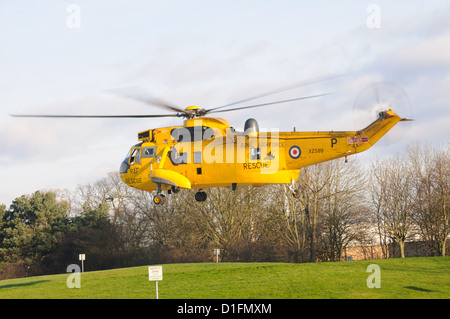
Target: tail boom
[(316, 147)]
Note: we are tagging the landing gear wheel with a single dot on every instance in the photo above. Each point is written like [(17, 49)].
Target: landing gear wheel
[(159, 199), (175, 189), (200, 196), (295, 193)]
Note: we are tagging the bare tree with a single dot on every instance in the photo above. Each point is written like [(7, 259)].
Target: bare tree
[(328, 206), (380, 231), (124, 203), (109, 189), (231, 219), (288, 220), (313, 182), (344, 211), (431, 176), (393, 197)]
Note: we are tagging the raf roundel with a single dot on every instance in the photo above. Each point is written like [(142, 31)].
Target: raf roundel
[(295, 152)]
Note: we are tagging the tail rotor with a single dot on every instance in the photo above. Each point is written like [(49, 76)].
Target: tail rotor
[(379, 97)]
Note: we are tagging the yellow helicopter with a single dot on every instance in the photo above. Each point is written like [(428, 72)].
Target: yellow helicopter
[(207, 152)]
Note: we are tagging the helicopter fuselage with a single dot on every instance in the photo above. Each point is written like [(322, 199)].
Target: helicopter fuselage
[(207, 152)]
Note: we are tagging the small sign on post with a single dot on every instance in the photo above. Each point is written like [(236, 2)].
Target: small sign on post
[(155, 274), (82, 257), (217, 253)]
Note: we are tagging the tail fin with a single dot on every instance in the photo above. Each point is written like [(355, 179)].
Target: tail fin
[(376, 130)]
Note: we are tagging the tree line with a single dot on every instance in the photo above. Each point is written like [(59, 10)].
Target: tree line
[(336, 204)]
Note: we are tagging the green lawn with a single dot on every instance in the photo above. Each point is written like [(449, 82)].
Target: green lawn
[(400, 278)]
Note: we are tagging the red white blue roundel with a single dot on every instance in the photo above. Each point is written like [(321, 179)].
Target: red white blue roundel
[(295, 152)]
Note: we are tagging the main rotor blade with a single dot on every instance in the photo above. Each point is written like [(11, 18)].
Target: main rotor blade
[(282, 89), (270, 103), (94, 116), (156, 102), (144, 97)]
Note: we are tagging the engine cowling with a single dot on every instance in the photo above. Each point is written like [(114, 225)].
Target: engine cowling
[(251, 126)]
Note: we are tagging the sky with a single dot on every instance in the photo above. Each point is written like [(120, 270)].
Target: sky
[(72, 57)]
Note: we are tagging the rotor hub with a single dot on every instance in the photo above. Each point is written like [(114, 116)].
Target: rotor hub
[(191, 108), (192, 111)]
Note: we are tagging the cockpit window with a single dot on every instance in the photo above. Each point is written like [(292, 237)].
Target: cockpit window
[(135, 156), (131, 158)]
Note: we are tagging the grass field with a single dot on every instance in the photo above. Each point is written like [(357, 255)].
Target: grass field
[(422, 278)]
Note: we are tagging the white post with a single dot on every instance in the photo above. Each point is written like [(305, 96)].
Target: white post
[(82, 257), (217, 252), (155, 274)]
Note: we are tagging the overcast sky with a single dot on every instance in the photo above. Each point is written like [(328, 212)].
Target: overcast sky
[(65, 57)]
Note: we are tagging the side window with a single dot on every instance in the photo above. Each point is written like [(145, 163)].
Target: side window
[(182, 134), (177, 158), (148, 152), (208, 133), (192, 134), (255, 153), (196, 133)]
